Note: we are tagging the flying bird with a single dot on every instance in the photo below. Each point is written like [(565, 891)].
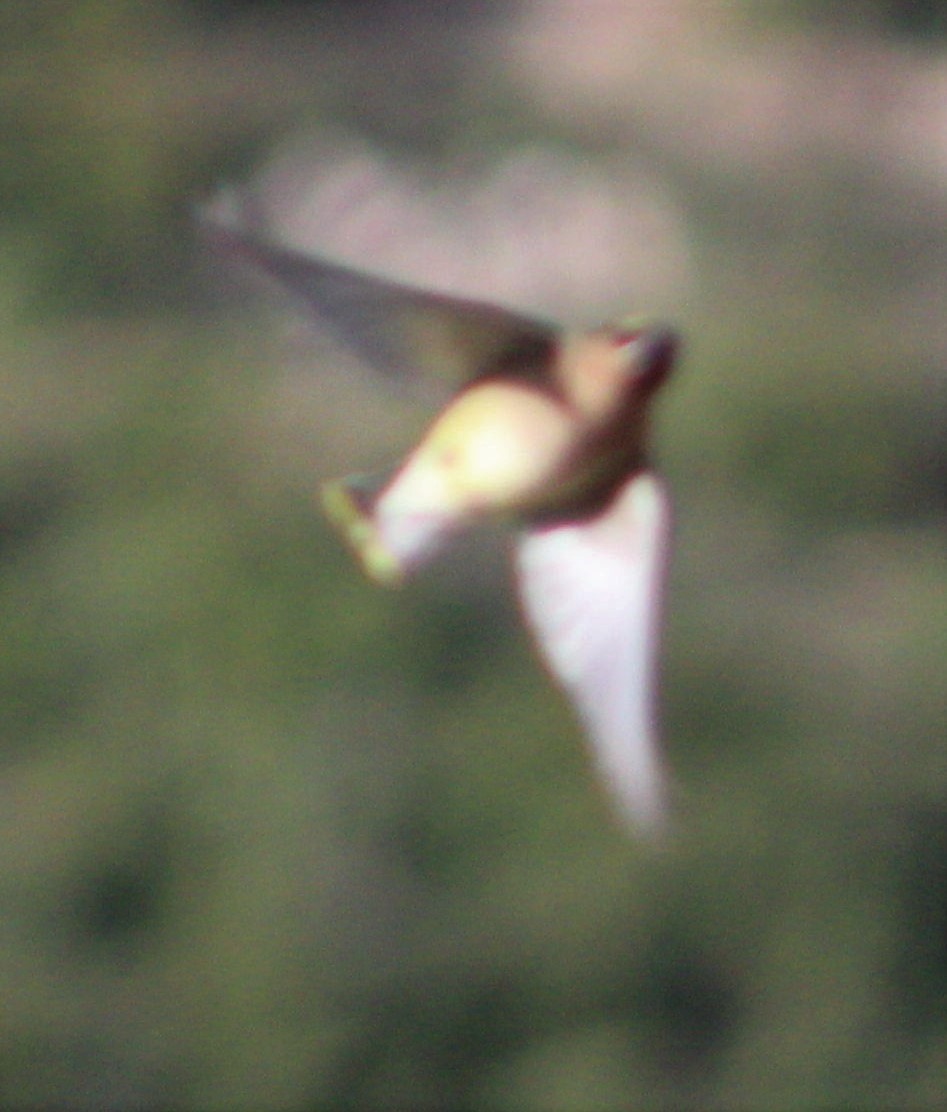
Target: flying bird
[(545, 428)]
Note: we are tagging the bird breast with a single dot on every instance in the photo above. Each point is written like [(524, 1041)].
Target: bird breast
[(492, 449)]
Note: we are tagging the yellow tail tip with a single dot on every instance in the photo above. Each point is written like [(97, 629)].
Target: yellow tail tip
[(353, 518)]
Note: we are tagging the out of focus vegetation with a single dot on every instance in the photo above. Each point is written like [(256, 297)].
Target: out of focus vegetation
[(272, 838)]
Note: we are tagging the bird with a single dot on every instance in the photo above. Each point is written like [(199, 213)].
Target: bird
[(543, 428)]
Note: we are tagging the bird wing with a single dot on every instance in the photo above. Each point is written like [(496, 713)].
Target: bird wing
[(592, 595), (405, 333)]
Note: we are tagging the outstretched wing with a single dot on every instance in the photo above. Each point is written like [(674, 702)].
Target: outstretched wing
[(592, 594), (403, 332)]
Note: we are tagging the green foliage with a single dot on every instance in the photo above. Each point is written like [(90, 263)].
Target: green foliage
[(272, 838), (921, 20)]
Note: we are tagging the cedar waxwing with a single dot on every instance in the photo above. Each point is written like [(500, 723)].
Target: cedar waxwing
[(546, 428)]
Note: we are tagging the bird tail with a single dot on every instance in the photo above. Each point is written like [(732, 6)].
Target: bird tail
[(390, 536), (349, 504)]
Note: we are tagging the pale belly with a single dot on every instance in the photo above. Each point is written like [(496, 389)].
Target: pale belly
[(491, 451)]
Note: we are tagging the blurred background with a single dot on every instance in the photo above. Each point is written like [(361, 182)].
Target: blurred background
[(273, 838)]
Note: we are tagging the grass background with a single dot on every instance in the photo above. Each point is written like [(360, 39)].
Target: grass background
[(271, 838)]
